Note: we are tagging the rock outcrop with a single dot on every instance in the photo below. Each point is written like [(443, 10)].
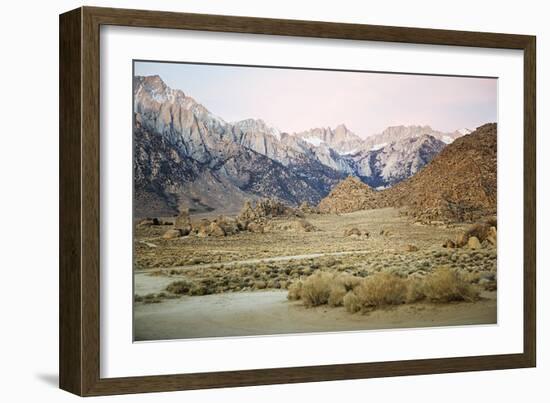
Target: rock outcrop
[(296, 225), (183, 222), (306, 208), (476, 236), (172, 234), (265, 209), (460, 184), (348, 196)]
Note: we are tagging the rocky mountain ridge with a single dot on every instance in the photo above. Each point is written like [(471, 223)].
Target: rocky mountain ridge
[(187, 157)]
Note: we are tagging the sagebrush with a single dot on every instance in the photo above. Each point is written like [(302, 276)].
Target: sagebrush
[(380, 289)]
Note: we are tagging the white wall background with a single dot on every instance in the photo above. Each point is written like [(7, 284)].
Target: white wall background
[(29, 198)]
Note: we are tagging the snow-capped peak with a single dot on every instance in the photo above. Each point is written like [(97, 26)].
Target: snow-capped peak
[(258, 125)]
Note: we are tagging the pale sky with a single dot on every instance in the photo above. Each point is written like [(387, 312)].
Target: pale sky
[(295, 100)]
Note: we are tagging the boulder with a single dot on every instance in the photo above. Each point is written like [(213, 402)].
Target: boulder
[(183, 222), (229, 226), (242, 225), (352, 231), (247, 212), (473, 243), (255, 228), (215, 229), (172, 234), (202, 229), (411, 248), (481, 231)]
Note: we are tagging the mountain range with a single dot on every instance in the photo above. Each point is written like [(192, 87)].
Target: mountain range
[(459, 184), (187, 157)]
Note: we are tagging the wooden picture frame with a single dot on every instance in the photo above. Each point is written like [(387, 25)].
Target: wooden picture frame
[(79, 346)]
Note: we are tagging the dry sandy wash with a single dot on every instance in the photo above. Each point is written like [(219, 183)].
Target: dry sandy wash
[(236, 285)]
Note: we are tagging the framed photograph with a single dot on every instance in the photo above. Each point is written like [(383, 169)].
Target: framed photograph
[(249, 201)]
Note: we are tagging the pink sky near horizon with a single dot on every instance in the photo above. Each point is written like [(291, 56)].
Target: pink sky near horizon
[(294, 100)]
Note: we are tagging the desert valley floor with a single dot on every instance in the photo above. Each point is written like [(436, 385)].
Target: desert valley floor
[(238, 284)]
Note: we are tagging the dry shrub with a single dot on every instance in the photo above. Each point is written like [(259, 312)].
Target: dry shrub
[(445, 285), (324, 287), (348, 281), (180, 287), (316, 288), (184, 287), (337, 294), (415, 290), (295, 290), (351, 302), (200, 289), (381, 289)]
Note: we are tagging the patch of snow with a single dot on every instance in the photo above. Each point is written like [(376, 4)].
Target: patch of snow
[(316, 141), (464, 131), (447, 139), (378, 146), (158, 97), (349, 152)]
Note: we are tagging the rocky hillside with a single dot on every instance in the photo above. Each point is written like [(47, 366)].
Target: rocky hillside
[(459, 184), (348, 196)]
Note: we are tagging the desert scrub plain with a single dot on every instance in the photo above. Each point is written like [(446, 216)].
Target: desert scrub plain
[(371, 245)]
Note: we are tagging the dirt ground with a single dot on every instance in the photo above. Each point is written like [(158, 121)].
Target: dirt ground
[(269, 312), (253, 270)]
